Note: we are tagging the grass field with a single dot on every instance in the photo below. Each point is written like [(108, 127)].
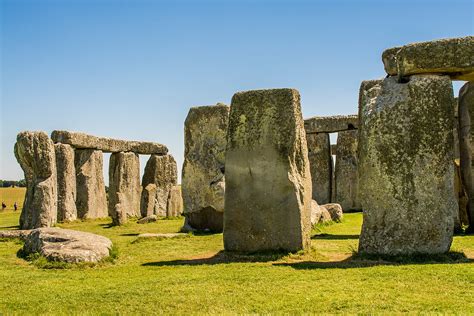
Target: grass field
[(193, 276)]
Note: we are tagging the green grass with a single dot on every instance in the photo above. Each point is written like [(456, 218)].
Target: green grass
[(194, 276)]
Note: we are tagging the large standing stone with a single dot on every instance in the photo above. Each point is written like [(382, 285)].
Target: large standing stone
[(466, 146), (268, 179), (34, 152), (160, 176), (451, 56), (203, 182), (346, 171), (175, 202), (85, 141), (406, 165), (124, 187), (67, 210), (321, 163), (91, 201)]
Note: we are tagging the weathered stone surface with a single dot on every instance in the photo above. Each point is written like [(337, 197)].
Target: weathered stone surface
[(91, 200), (162, 172), (466, 146), (451, 56), (203, 182), (66, 171), (149, 219), (124, 187), (268, 181), (315, 213), (66, 245), (321, 163), (34, 152), (85, 141), (346, 171), (325, 215), (335, 211), (175, 202), (405, 165), (331, 124), (19, 233), (460, 217)]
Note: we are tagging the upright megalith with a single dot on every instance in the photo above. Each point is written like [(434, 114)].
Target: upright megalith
[(175, 202), (66, 171), (161, 174), (34, 152), (268, 179), (321, 165), (124, 187), (203, 182), (466, 146), (91, 200), (346, 179), (406, 165)]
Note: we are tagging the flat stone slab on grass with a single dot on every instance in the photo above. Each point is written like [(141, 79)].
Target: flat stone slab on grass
[(331, 124), (20, 233), (163, 235), (453, 57), (66, 245), (85, 141)]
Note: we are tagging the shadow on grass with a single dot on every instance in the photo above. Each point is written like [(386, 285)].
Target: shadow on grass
[(221, 257), (366, 261), (107, 225), (10, 227), (130, 234), (334, 237)]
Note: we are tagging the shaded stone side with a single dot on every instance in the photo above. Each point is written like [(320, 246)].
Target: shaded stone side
[(34, 152), (85, 141), (268, 179), (203, 181), (124, 187), (346, 178), (321, 164), (406, 165), (91, 200), (161, 174), (66, 171), (451, 56), (466, 146), (175, 202)]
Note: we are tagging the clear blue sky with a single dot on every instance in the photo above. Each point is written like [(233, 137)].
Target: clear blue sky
[(132, 69)]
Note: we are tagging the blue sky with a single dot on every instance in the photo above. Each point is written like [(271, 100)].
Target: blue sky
[(132, 69)]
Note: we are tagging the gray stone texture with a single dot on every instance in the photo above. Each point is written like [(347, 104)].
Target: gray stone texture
[(175, 202), (66, 245), (321, 165), (124, 187), (66, 171), (406, 165), (85, 141), (162, 172), (331, 124), (466, 147), (34, 152), (335, 211), (453, 57), (203, 181), (268, 179), (91, 200), (346, 179)]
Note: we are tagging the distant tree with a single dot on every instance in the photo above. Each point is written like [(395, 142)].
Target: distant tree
[(21, 183)]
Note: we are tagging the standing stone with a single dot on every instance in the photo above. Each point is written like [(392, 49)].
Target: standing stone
[(405, 165), (91, 201), (466, 146), (162, 172), (124, 187), (268, 181), (320, 161), (67, 210), (346, 171), (34, 152), (175, 202), (203, 182)]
